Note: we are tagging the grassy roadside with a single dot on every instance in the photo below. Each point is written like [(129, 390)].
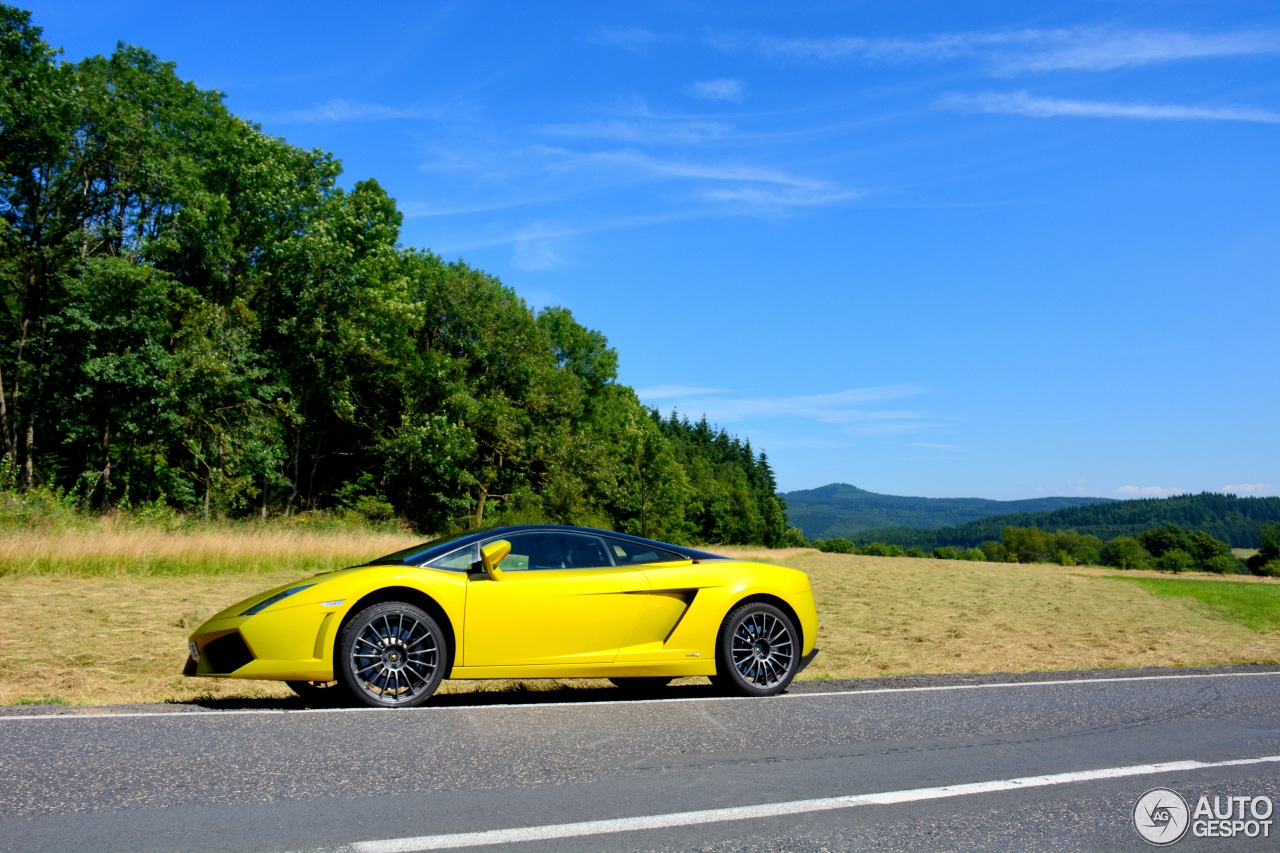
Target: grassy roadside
[(102, 616)]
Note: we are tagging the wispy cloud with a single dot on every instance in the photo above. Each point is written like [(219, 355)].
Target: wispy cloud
[(1093, 50), (341, 109), (643, 130), (718, 90), (1246, 488), (1025, 104), (670, 392), (855, 408), (1023, 50), (627, 38), (535, 248), (752, 187), (1150, 491)]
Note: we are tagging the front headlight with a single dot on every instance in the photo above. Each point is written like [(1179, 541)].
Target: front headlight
[(279, 596)]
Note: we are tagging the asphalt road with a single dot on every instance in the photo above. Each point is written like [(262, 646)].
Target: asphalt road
[(659, 773)]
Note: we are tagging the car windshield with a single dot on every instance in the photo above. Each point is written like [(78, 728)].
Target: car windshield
[(425, 551)]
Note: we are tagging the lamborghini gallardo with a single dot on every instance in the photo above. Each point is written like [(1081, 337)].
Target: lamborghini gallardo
[(534, 601)]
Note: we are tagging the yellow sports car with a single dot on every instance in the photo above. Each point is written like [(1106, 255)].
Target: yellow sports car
[(535, 601)]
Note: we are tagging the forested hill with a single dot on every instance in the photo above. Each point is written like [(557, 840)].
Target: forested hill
[(841, 510), (1232, 519), (197, 315)]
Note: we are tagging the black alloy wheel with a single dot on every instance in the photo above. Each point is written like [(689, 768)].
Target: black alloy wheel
[(392, 655), (758, 650)]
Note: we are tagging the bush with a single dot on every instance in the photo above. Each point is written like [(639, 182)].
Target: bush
[(915, 552), (1268, 547), (1222, 564), (839, 545), (974, 555), (1270, 570), (1196, 544), (994, 552), (793, 538), (879, 549), (946, 552), (1084, 549), (1175, 560), (1027, 544), (1125, 552)]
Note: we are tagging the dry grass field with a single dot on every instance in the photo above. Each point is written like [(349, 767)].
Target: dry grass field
[(891, 616), (104, 618), (112, 550)]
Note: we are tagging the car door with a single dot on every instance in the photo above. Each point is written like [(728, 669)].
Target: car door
[(561, 600)]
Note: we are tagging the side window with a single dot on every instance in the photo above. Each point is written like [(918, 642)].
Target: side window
[(635, 553), (549, 550), (459, 561)]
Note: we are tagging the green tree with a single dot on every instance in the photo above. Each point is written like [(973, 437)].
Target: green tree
[(1125, 552)]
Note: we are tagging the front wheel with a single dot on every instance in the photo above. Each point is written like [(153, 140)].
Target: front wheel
[(757, 651), (392, 655)]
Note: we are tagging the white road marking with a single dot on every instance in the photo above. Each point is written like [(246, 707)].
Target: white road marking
[(870, 691), (667, 821)]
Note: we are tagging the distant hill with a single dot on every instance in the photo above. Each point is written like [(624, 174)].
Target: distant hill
[(843, 510), (1232, 519)]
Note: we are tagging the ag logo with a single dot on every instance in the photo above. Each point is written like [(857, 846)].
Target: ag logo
[(1161, 816)]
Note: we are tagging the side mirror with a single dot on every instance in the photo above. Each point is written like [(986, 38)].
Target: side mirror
[(491, 555)]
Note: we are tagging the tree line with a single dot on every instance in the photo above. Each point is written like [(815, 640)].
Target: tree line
[(196, 314), (1168, 548), (1234, 520)]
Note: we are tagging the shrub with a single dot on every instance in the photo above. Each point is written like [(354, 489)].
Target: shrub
[(1222, 564), (974, 555), (946, 552), (793, 538), (1027, 544), (1268, 547), (1270, 570), (839, 545), (994, 551), (1175, 560), (1083, 548), (913, 551), (1196, 544), (1125, 552), (880, 549)]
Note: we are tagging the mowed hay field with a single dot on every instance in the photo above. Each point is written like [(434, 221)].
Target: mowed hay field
[(102, 617), (892, 616)]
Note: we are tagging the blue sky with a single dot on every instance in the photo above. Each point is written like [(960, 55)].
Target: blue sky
[(943, 249)]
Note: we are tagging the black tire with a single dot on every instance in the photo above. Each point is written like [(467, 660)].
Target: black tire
[(641, 686), (757, 651), (391, 655)]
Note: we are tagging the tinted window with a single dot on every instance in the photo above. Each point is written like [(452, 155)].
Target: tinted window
[(633, 553), (459, 561), (548, 550)]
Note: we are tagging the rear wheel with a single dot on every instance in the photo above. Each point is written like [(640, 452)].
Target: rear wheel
[(758, 650), (642, 686), (392, 655)]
